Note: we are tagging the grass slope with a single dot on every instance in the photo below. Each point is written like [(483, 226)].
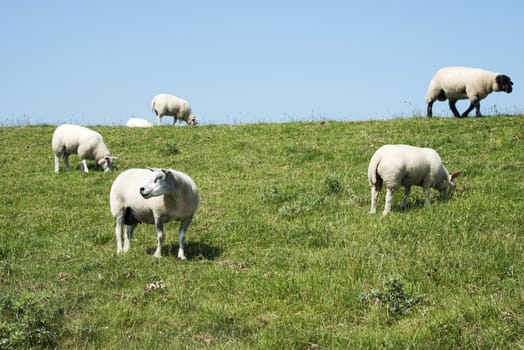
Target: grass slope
[(282, 253)]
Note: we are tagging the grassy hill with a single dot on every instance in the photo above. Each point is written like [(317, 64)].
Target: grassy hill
[(283, 253)]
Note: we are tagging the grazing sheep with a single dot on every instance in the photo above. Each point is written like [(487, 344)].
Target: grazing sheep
[(88, 144), (138, 123), (152, 196), (403, 165), (164, 104), (460, 83)]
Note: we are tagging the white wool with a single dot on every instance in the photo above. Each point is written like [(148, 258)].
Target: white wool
[(138, 123), (404, 165), (152, 196), (179, 109), (88, 144)]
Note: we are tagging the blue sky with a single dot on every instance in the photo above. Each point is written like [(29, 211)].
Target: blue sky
[(101, 62)]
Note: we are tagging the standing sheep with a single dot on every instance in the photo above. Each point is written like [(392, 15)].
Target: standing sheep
[(460, 83), (164, 104), (403, 165), (152, 196), (88, 144)]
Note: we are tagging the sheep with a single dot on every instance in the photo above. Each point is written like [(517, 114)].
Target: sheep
[(404, 165), (164, 104), (460, 83), (152, 196), (88, 144), (138, 123)]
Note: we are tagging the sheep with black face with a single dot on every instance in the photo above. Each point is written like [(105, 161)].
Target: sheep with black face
[(460, 83)]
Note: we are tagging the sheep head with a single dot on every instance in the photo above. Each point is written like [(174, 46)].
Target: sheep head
[(448, 185), (107, 163), (192, 120), (504, 83), (161, 182)]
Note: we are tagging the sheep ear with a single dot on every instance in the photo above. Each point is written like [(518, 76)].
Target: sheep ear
[(454, 175)]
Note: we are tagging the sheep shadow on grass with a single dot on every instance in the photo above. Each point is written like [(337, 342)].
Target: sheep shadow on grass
[(93, 167), (415, 205), (193, 250)]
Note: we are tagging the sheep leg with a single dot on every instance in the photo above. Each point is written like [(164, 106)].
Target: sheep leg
[(407, 191), (430, 109), (66, 161), (181, 237), (159, 237), (453, 107), (474, 104), (374, 195), (477, 106), (426, 196), (118, 232), (390, 196), (84, 163), (128, 236), (57, 163)]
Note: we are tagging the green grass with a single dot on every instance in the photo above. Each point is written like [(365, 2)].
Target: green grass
[(282, 254)]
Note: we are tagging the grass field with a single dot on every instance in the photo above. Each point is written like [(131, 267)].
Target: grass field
[(282, 254)]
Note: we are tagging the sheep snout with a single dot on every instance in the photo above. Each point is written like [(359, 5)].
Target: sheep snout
[(145, 193)]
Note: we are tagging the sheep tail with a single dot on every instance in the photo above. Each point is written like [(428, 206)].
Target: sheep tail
[(153, 107), (372, 169)]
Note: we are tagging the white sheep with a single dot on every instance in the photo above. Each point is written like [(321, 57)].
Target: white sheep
[(88, 144), (164, 104), (460, 83), (138, 123), (152, 196), (403, 165)]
